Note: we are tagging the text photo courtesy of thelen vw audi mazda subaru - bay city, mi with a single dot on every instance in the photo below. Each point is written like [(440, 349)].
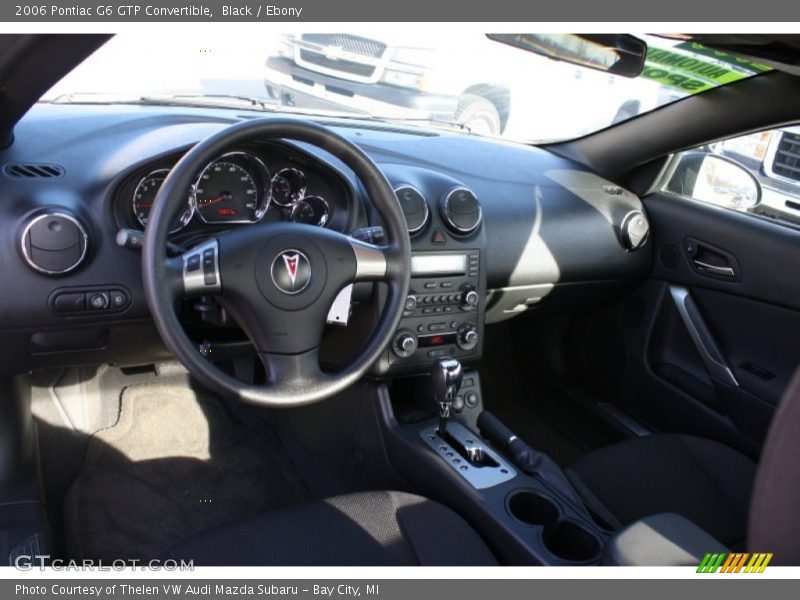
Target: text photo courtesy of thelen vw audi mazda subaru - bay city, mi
[(385, 298)]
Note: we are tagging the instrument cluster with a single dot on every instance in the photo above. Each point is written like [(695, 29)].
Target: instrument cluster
[(238, 188)]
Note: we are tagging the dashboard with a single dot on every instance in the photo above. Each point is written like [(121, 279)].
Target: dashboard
[(497, 229)]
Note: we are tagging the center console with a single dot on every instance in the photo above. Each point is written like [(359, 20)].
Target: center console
[(517, 498), (436, 434)]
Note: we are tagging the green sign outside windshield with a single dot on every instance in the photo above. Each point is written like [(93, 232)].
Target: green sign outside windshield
[(692, 68)]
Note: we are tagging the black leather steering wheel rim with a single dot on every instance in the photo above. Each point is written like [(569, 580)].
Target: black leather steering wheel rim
[(163, 284)]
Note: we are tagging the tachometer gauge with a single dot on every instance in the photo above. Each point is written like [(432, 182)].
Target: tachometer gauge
[(145, 194), (288, 187), (312, 210), (232, 189)]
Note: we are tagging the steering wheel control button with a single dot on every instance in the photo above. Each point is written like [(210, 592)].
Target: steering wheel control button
[(461, 211), (414, 207), (291, 271), (209, 271), (71, 302), (54, 243), (201, 269)]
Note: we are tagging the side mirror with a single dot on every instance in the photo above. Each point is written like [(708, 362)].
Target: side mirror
[(714, 179)]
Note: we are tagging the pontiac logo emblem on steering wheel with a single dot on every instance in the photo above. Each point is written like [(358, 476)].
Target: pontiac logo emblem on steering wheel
[(291, 271), (291, 266)]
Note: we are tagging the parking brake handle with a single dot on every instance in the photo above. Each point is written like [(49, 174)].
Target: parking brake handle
[(524, 457)]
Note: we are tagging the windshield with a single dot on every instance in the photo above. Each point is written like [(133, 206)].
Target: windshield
[(462, 81)]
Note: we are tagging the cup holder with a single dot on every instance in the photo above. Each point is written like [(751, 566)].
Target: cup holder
[(565, 539), (571, 541), (532, 508)]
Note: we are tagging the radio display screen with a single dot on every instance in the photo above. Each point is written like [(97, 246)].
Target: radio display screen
[(439, 264)]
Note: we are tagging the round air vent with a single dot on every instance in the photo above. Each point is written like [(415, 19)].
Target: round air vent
[(54, 243), (414, 207), (461, 211), (634, 230)]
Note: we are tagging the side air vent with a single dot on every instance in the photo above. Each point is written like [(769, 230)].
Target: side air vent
[(33, 171)]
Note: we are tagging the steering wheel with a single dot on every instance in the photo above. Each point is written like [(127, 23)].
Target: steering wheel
[(277, 279)]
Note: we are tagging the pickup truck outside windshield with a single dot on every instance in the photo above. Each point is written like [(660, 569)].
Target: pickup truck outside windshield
[(461, 81)]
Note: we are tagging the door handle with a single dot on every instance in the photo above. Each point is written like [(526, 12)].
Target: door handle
[(714, 269), (703, 341), (711, 261)]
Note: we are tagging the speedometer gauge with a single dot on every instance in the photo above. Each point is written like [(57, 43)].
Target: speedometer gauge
[(145, 194), (232, 189), (288, 187)]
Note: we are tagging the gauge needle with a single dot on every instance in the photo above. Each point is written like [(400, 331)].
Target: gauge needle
[(204, 203)]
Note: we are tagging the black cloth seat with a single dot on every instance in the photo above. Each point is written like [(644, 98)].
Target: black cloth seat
[(363, 529), (707, 482)]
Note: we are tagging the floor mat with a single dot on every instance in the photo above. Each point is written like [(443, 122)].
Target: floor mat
[(175, 463)]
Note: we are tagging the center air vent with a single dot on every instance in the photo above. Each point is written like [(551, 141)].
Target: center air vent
[(461, 211), (414, 207), (33, 171)]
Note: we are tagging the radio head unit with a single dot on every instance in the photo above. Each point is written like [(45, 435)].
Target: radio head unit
[(443, 312)]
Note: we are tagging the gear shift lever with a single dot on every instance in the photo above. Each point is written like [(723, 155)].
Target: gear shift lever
[(446, 376)]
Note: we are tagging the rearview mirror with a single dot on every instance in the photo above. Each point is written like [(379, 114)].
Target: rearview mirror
[(616, 53), (714, 179)]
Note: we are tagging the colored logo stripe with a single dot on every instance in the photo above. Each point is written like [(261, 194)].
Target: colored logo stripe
[(758, 563), (735, 562)]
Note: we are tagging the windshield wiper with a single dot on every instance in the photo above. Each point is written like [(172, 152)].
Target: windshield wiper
[(250, 102), (245, 102), (432, 120), (210, 100)]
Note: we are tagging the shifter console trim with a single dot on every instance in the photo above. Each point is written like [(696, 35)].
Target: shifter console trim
[(479, 477)]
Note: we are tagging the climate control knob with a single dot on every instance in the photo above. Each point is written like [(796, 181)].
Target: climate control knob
[(470, 297), (404, 344), (467, 337)]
